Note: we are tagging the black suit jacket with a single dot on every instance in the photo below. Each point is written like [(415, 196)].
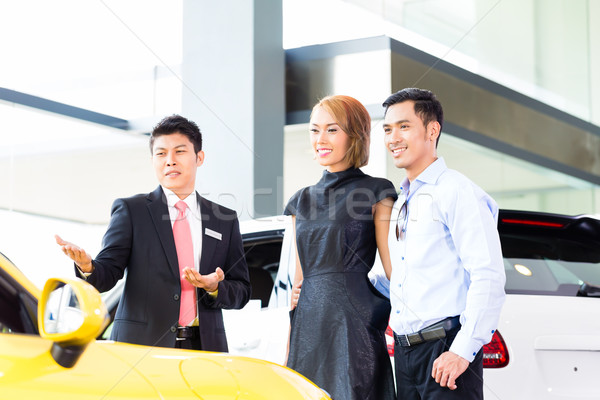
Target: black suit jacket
[(139, 239)]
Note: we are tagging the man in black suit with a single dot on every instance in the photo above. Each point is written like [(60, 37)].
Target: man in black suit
[(140, 239)]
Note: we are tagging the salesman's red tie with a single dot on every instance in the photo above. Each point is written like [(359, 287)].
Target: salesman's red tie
[(185, 256)]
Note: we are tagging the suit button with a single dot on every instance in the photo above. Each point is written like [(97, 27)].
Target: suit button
[(176, 297), (173, 329)]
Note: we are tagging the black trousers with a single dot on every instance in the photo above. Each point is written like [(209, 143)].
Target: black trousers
[(190, 343), (414, 364)]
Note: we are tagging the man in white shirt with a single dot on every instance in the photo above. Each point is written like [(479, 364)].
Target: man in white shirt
[(183, 253), (447, 283)]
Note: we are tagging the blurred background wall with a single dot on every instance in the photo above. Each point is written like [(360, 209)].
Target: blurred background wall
[(83, 83)]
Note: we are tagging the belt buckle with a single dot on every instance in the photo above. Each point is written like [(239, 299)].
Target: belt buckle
[(404, 337), (183, 331), (433, 334)]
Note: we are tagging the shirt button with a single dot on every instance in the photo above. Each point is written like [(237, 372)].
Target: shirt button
[(397, 311), (173, 329), (399, 285), (176, 297), (402, 258)]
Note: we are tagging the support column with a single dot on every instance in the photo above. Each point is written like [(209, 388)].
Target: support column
[(594, 54), (233, 87)]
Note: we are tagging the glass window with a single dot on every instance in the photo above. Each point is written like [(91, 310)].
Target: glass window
[(548, 50), (118, 58), (514, 183)]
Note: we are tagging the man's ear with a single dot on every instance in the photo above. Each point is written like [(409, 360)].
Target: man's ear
[(199, 158), (433, 130)]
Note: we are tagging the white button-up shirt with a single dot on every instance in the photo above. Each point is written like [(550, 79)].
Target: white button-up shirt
[(448, 261)]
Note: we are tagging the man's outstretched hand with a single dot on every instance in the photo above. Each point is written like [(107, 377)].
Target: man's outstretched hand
[(77, 254), (209, 282)]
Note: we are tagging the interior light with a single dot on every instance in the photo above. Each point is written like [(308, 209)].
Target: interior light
[(523, 270)]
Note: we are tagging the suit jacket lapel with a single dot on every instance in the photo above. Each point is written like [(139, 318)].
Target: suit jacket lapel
[(157, 206), (210, 221)]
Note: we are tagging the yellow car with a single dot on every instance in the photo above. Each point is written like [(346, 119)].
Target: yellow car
[(48, 351)]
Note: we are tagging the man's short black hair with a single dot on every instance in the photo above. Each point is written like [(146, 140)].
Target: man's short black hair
[(178, 124), (427, 106)]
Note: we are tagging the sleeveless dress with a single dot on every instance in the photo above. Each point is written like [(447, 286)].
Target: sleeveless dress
[(337, 336)]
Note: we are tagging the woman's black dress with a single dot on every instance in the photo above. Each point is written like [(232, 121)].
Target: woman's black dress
[(337, 336)]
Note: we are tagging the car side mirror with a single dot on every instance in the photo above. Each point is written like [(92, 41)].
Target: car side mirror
[(71, 314)]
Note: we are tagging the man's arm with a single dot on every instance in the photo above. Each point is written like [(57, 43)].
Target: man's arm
[(473, 227), (382, 213), (476, 238), (108, 267), (111, 261)]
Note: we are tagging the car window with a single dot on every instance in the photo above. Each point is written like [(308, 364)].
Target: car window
[(543, 275), (18, 310), (550, 262)]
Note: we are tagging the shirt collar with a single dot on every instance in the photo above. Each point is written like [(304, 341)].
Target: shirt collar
[(191, 201), (433, 171), (429, 175)]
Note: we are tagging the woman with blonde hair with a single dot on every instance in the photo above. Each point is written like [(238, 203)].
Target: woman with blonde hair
[(337, 332)]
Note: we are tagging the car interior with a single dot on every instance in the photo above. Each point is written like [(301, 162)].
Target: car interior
[(18, 310), (262, 255)]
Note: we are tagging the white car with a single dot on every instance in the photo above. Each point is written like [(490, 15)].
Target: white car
[(550, 322), (547, 345)]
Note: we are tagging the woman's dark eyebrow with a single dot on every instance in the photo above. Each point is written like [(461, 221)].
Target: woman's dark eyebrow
[(332, 123)]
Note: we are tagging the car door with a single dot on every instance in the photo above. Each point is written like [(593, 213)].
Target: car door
[(260, 329), (27, 367)]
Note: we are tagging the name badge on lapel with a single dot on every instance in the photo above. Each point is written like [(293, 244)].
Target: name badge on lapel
[(212, 234)]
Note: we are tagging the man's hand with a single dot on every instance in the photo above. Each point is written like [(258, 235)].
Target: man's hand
[(209, 282), (447, 368), (77, 254), (296, 294)]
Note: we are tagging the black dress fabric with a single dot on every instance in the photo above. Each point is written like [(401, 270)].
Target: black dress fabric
[(337, 336)]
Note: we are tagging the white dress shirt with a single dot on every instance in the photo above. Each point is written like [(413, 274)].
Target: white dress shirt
[(194, 219), (449, 260)]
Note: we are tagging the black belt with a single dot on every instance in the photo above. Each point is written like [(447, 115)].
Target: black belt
[(187, 332), (432, 332)]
